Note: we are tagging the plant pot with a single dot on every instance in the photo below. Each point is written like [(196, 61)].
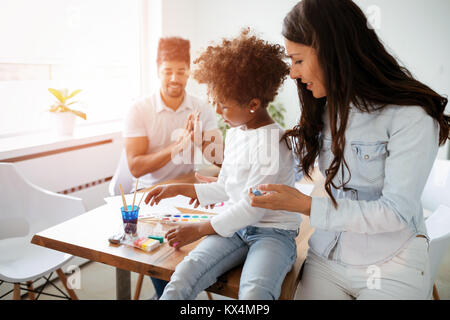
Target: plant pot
[(63, 123)]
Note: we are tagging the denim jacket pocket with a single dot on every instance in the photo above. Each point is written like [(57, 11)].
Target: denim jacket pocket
[(370, 159), (326, 156)]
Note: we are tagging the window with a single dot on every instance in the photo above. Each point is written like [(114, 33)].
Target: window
[(74, 44)]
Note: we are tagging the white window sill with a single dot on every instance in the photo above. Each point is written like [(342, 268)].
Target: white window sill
[(28, 144)]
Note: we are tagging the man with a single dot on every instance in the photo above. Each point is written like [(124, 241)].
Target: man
[(159, 129)]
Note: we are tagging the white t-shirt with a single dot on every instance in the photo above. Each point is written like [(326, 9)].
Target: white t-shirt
[(251, 157), (151, 118)]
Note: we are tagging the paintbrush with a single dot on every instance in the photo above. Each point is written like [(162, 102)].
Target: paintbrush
[(134, 196), (123, 198), (143, 194)]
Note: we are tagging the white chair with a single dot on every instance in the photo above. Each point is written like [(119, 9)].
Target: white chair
[(437, 188), (438, 227), (122, 176), (436, 195), (25, 210)]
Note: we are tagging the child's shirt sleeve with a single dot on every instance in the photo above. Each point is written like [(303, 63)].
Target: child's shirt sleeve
[(241, 213)]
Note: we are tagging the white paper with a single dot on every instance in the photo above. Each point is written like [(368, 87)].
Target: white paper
[(165, 206)]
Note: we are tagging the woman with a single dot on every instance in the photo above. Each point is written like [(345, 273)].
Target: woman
[(376, 132)]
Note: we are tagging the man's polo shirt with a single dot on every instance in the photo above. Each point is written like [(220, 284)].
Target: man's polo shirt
[(151, 118)]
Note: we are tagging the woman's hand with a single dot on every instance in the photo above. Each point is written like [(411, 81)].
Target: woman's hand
[(188, 233), (281, 197)]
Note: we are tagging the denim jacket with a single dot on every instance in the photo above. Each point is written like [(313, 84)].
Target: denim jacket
[(389, 154)]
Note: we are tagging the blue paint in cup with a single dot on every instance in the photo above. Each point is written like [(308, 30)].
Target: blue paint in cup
[(130, 219)]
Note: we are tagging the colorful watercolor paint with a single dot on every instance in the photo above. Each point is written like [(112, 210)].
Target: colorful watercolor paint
[(143, 243), (139, 241), (150, 244), (179, 218)]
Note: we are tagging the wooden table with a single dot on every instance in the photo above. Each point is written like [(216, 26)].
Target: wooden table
[(87, 236)]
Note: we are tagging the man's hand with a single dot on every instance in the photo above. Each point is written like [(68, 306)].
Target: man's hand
[(184, 141), (198, 130)]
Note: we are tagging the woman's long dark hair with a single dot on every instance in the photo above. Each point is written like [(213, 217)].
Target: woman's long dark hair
[(357, 70)]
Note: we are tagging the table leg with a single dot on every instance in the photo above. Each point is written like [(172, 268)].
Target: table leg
[(123, 284)]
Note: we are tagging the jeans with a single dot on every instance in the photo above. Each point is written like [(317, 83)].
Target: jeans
[(267, 253), (159, 286)]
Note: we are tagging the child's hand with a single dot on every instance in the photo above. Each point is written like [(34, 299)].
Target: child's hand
[(196, 204), (187, 233), (205, 179), (161, 192)]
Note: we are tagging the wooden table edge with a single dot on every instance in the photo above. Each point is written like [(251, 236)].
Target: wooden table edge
[(105, 258)]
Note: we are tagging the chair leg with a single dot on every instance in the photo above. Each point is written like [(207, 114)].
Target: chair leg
[(63, 279), (210, 297), (16, 295), (30, 287), (137, 292), (435, 293)]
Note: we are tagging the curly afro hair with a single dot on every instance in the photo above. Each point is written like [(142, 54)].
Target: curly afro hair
[(242, 69)]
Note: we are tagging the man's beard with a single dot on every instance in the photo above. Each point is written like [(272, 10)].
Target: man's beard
[(174, 92)]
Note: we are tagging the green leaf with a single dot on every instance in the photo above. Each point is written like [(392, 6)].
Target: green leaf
[(57, 94), (73, 93), (78, 113)]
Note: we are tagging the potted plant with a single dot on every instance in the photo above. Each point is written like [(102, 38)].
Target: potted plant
[(64, 117)]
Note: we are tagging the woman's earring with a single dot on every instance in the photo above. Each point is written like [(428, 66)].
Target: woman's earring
[(252, 111)]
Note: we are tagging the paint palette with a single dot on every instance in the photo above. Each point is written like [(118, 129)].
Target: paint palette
[(177, 218)]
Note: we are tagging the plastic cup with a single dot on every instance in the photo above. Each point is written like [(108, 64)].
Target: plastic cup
[(130, 219)]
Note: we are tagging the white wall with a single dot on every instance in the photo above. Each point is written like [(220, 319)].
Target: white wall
[(416, 31), (203, 21)]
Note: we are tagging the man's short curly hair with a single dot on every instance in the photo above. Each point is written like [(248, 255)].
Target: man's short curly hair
[(173, 49), (242, 69)]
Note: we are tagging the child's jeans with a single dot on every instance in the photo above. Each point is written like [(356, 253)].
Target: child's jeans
[(268, 253)]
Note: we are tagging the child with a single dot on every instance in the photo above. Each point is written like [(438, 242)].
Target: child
[(243, 75)]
